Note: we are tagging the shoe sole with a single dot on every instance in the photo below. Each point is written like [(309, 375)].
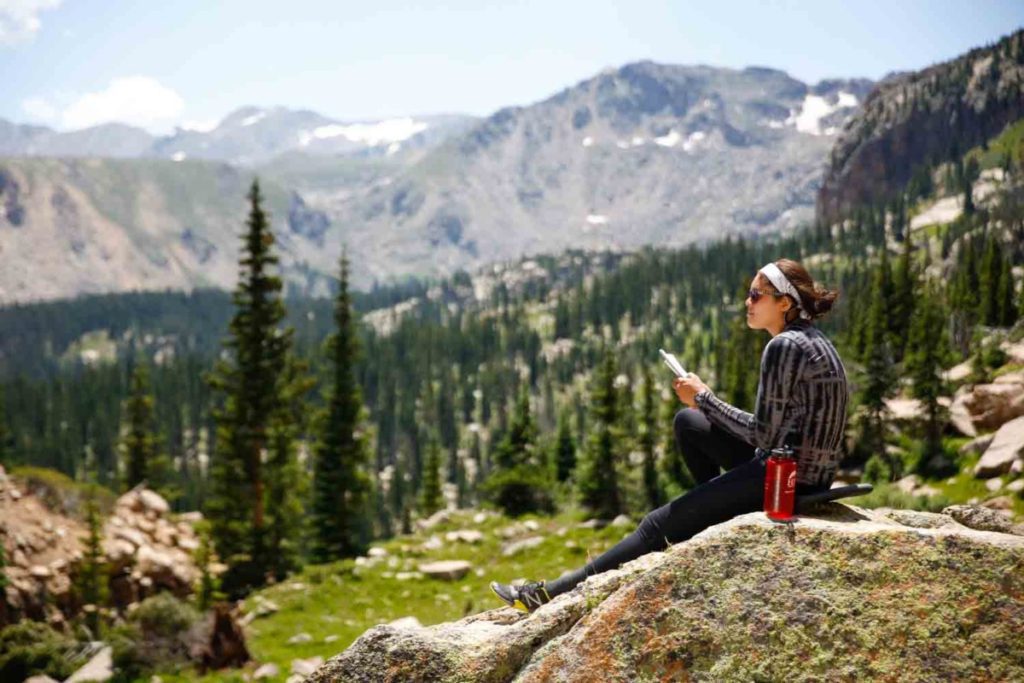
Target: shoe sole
[(517, 604)]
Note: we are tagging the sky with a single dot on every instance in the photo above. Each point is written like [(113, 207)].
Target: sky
[(69, 64)]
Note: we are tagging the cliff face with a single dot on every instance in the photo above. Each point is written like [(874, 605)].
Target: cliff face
[(923, 118), (848, 594)]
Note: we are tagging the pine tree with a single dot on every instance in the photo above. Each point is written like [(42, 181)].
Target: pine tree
[(1006, 312), (5, 435), (207, 590), (928, 353), (902, 310), (92, 583), (565, 449), (143, 460), (677, 475), (430, 496), (879, 377), (648, 439), (251, 384), (519, 481), (599, 477), (341, 514), (989, 282)]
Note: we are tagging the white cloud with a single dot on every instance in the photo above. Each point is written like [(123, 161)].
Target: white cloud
[(135, 100), (19, 19)]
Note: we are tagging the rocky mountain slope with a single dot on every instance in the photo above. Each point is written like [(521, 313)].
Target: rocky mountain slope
[(921, 119), (837, 595), (69, 226), (647, 153), (247, 136)]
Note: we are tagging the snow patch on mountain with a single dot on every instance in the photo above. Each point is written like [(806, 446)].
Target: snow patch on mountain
[(255, 118), (814, 109), (388, 131)]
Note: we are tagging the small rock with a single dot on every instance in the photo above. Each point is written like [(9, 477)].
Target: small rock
[(465, 535), (41, 678), (1015, 486), (994, 484), (479, 518), (39, 571), (531, 525), (99, 668), (446, 570), (305, 667), (1000, 503), (330, 639), (518, 546), (622, 520), (300, 638), (151, 501), (377, 551), (15, 494), (295, 678), (977, 517), (268, 670), (408, 576), (908, 483), (433, 520), (593, 524), (433, 543), (406, 622)]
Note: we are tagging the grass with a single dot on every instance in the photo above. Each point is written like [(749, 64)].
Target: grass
[(343, 600), (1010, 142)]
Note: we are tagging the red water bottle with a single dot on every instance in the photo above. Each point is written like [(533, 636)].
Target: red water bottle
[(780, 484)]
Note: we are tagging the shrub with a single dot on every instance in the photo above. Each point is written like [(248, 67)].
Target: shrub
[(30, 647), (156, 636)]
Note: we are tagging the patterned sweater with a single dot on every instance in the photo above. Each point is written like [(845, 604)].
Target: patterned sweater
[(802, 394)]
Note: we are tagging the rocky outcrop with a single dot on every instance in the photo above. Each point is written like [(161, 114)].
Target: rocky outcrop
[(908, 122), (1003, 451), (847, 594), (145, 550), (986, 407)]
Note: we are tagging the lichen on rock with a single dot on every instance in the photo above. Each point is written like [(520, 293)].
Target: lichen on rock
[(847, 594)]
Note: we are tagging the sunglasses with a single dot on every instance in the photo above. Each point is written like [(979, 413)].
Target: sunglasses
[(755, 294)]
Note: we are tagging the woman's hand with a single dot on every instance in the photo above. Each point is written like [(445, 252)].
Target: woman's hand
[(687, 388)]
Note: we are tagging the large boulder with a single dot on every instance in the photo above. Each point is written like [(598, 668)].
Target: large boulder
[(845, 595), (1004, 450), (987, 406)]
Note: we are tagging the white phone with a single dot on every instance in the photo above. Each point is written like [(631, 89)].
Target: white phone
[(673, 363)]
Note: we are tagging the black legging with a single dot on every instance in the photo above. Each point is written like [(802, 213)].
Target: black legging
[(715, 499)]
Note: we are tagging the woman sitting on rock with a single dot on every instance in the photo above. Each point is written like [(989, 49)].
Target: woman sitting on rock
[(801, 401)]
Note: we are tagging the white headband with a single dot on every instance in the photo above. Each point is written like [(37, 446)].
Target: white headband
[(782, 283)]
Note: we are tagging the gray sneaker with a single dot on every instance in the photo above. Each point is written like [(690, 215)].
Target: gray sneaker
[(527, 597)]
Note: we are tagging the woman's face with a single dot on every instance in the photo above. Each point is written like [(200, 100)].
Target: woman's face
[(768, 312)]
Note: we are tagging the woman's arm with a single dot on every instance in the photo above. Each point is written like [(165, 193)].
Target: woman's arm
[(781, 365)]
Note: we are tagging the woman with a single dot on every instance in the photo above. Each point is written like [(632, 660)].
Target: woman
[(801, 401)]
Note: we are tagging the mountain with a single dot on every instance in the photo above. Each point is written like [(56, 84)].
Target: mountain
[(70, 226), (114, 140), (917, 120), (249, 135), (645, 154)]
